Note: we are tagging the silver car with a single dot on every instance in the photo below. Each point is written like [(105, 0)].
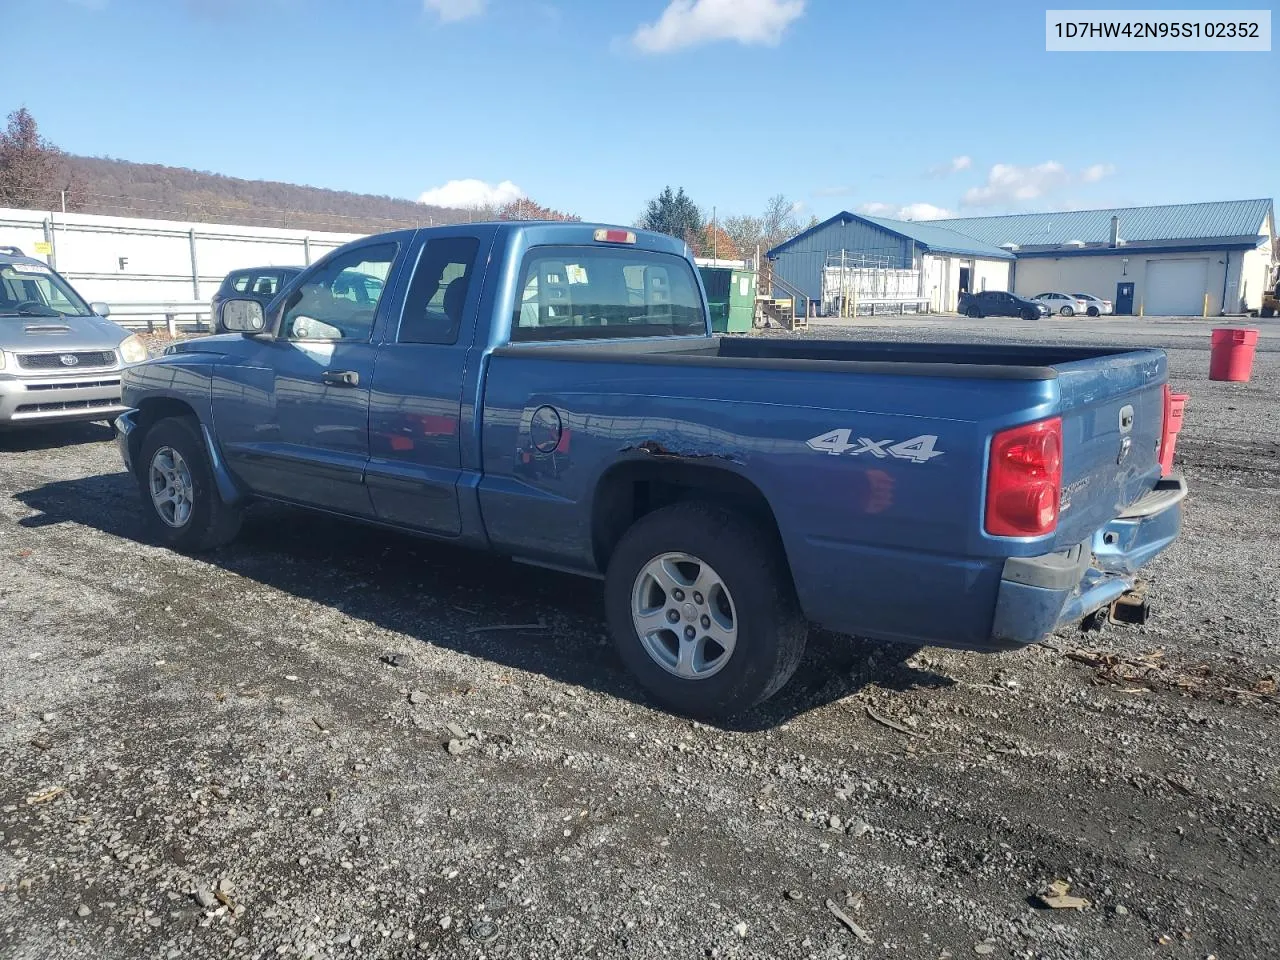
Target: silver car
[(1063, 304), (1095, 306), (60, 359)]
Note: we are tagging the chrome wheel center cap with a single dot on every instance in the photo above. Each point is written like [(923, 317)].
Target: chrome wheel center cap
[(690, 612)]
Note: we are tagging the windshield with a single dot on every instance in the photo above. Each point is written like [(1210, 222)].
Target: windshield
[(574, 293), (33, 290)]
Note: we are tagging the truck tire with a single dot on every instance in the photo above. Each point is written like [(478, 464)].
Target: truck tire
[(702, 610), (180, 499)]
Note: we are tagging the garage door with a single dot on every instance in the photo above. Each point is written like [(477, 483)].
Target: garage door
[(1175, 288)]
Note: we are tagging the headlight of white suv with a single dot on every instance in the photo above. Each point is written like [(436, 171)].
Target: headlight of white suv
[(132, 349)]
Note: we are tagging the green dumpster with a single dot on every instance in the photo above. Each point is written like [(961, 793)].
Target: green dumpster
[(731, 297)]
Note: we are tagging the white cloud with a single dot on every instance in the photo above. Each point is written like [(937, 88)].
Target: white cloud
[(690, 23), (465, 194), (1009, 184), (954, 165), (910, 211), (923, 211), (451, 11)]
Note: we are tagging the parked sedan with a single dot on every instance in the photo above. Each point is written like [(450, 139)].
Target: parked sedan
[(1096, 306), (255, 283), (60, 358), (1000, 303), (1066, 304)]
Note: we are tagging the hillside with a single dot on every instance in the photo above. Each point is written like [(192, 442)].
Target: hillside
[(122, 188)]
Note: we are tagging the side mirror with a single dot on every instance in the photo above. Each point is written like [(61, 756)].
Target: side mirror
[(100, 309), (243, 316)]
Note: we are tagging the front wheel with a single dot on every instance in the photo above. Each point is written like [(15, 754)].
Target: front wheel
[(973, 312), (180, 499), (702, 610)]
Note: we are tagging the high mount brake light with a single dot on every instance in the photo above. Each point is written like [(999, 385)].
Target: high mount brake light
[(609, 235)]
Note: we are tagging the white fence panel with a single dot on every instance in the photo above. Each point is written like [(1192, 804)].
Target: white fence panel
[(133, 259)]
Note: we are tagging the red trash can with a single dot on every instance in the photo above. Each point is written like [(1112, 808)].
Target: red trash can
[(1231, 353), (1175, 405)]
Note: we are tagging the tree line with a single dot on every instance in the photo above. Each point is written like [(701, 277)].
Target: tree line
[(35, 174), (735, 237)]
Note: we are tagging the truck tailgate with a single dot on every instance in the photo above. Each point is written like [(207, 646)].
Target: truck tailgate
[(1112, 421)]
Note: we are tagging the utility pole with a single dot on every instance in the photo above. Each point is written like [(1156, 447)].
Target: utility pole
[(715, 238), (63, 191)]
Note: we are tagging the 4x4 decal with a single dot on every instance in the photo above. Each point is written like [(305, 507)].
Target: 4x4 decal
[(837, 442)]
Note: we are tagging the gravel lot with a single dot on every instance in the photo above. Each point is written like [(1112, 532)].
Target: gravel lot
[(307, 744)]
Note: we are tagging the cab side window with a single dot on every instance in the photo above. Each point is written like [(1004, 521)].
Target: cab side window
[(340, 299), (438, 292)]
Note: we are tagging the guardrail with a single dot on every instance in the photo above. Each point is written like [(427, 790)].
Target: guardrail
[(171, 310)]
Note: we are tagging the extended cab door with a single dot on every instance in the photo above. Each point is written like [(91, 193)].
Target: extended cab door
[(293, 415), (416, 407)]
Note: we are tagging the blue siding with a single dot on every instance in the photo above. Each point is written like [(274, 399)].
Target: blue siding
[(800, 262)]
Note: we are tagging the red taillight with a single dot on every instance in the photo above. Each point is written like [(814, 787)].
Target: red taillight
[(1024, 480), (609, 235)]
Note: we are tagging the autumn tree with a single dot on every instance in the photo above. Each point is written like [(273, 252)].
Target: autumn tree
[(33, 172), (673, 213), (744, 233), (777, 223), (527, 209), (716, 242)]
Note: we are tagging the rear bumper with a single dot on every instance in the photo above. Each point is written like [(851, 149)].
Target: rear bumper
[(1039, 594), (30, 401)]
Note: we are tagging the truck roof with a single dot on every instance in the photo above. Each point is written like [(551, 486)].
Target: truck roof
[(538, 232), (571, 227)]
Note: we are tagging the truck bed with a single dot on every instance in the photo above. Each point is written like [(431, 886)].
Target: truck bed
[(965, 360), (865, 531)]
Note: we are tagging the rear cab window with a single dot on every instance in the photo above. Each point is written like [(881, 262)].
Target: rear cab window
[(433, 307), (578, 292)]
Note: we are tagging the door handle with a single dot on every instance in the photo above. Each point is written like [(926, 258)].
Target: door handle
[(340, 378)]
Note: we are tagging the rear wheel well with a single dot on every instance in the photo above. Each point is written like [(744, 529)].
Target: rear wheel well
[(151, 412), (631, 490)]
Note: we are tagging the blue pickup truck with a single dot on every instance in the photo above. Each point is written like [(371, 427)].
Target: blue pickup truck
[(551, 392)]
